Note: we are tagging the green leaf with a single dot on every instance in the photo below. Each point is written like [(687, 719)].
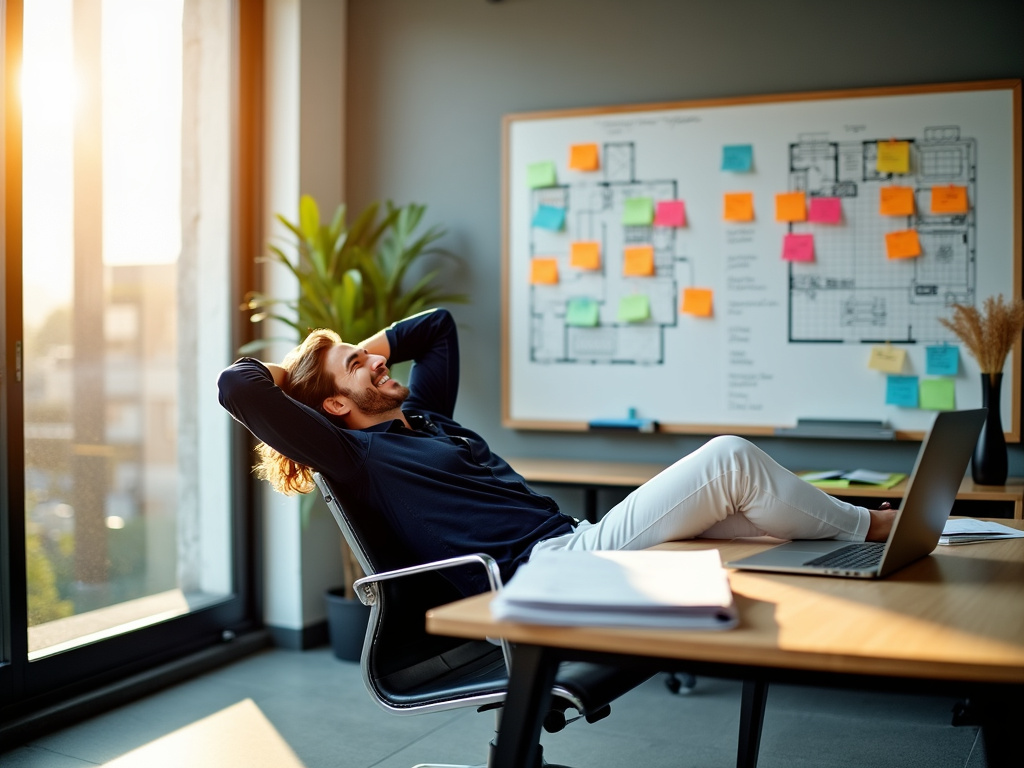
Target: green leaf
[(309, 217)]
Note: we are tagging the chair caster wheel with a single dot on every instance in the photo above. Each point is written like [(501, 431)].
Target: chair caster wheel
[(681, 684)]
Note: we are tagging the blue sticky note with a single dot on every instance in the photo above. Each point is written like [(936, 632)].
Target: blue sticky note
[(901, 391), (549, 217), (942, 361), (737, 157)]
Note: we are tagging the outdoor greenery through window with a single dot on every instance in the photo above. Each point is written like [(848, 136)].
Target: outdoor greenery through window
[(126, 258)]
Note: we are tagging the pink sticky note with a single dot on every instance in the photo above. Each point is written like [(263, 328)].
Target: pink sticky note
[(798, 248), (825, 210), (670, 213)]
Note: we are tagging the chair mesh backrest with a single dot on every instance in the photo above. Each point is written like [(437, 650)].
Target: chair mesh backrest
[(399, 637)]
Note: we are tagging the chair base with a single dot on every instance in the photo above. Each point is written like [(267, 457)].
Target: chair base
[(542, 763)]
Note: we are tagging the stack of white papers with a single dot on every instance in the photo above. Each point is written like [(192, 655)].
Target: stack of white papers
[(969, 531), (650, 588)]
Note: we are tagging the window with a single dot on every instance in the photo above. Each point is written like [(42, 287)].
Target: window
[(118, 458)]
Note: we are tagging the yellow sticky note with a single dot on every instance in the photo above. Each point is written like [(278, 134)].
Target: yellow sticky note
[(544, 271), (791, 206), (739, 206), (585, 255), (697, 301), (887, 358), (584, 157), (896, 201), (638, 261), (893, 157), (904, 244), (949, 199)]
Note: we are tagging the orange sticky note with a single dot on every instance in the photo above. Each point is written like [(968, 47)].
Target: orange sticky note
[(893, 157), (584, 157), (896, 201), (791, 206), (697, 301), (903, 244), (949, 199), (739, 206), (585, 255), (544, 271), (638, 261)]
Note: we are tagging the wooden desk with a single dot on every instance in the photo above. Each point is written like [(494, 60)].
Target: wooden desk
[(952, 622), (591, 476)]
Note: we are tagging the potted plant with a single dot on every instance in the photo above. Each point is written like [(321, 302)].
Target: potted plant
[(351, 279)]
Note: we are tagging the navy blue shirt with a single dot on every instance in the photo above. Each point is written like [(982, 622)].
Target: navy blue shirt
[(438, 485)]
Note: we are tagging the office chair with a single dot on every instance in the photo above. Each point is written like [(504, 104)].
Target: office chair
[(408, 671)]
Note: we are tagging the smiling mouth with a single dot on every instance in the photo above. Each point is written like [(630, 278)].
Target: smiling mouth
[(383, 380)]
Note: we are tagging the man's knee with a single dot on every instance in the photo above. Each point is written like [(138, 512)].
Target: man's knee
[(730, 445)]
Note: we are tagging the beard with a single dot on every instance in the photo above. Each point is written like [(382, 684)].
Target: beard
[(373, 402)]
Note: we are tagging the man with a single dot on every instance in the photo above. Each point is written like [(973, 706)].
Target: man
[(388, 450)]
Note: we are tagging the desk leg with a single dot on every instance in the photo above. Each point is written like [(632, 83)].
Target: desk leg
[(529, 696), (755, 693), (590, 504), (1001, 716)]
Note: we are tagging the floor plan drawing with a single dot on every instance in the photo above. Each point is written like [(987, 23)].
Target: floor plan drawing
[(852, 292), (594, 212)]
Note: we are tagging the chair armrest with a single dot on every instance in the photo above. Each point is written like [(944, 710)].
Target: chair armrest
[(366, 587), (366, 591)]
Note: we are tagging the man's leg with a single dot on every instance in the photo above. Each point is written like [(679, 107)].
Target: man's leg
[(728, 487)]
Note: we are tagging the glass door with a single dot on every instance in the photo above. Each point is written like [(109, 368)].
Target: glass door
[(130, 136)]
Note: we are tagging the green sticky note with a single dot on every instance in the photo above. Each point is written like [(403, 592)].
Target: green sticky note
[(634, 308), (541, 174), (638, 212), (938, 394), (582, 312)]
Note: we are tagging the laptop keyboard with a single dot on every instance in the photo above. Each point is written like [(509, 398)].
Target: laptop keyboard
[(865, 555)]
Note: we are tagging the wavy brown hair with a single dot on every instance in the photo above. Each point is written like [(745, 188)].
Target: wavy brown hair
[(308, 382)]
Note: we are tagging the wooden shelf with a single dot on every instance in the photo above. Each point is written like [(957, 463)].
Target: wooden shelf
[(592, 475)]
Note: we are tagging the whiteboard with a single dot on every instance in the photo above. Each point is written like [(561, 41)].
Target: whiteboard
[(785, 338)]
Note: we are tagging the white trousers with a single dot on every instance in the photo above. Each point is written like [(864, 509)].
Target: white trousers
[(727, 488)]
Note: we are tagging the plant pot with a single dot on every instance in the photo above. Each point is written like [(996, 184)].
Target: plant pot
[(346, 624), (989, 463)]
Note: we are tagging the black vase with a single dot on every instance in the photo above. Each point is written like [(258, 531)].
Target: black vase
[(988, 467)]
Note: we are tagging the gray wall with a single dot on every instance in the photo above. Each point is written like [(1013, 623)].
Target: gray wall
[(429, 81)]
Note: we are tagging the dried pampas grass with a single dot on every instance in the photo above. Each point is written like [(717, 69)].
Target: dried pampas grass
[(989, 337)]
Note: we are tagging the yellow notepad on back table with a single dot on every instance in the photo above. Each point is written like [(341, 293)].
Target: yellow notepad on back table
[(838, 478)]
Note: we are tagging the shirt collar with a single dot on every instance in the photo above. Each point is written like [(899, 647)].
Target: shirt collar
[(419, 422)]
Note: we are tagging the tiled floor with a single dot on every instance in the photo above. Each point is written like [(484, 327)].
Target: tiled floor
[(285, 709)]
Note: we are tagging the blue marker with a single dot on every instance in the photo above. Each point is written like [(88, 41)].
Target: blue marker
[(631, 422)]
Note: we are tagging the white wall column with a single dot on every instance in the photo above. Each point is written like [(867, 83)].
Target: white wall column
[(304, 93)]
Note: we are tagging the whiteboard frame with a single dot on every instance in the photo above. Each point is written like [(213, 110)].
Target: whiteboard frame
[(509, 120)]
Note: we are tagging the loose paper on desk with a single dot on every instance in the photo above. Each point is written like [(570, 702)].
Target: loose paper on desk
[(970, 531), (649, 588)]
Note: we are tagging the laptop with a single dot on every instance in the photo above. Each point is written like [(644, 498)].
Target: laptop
[(931, 491)]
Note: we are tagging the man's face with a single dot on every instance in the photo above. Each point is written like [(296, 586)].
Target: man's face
[(365, 380)]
